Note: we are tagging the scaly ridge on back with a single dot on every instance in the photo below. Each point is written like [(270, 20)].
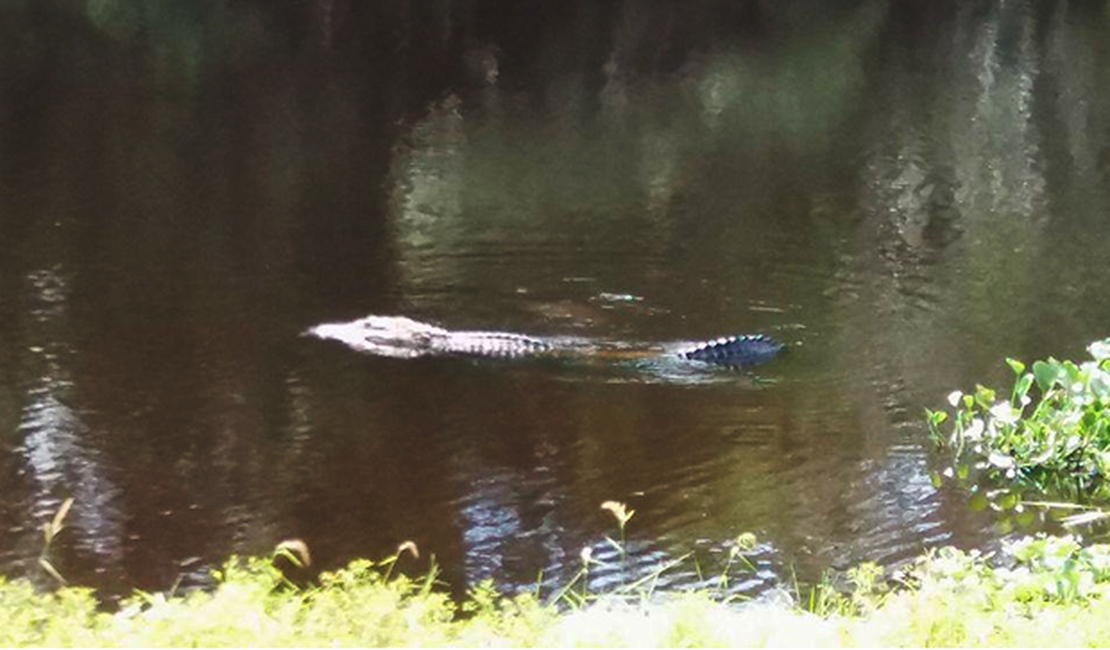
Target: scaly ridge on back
[(494, 344), (743, 350)]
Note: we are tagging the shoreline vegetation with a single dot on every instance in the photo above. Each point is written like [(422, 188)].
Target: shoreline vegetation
[(1011, 453), (1037, 591)]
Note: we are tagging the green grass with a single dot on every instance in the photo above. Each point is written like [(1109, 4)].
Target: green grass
[(1054, 592)]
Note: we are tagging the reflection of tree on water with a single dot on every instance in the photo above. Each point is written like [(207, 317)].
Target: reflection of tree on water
[(997, 144), (481, 185), (59, 449), (1078, 173), (1074, 82), (958, 156)]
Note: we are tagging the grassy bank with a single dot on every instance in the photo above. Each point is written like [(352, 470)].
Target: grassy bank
[(1044, 591)]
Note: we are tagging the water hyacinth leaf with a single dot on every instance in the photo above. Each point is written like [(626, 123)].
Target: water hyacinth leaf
[(1047, 374), (1074, 374), (1016, 365), (1021, 389), (1100, 350), (984, 396), (1100, 384)]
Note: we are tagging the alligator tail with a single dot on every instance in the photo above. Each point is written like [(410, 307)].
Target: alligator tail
[(743, 351)]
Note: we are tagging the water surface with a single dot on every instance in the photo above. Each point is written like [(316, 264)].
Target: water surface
[(904, 192)]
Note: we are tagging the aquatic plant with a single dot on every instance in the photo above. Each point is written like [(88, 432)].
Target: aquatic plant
[(1054, 441)]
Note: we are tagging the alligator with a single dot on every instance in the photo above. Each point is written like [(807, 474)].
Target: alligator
[(405, 338)]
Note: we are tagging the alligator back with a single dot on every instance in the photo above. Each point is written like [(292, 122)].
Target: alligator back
[(503, 345), (401, 337), (743, 351)]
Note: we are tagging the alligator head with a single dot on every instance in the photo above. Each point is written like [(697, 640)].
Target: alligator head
[(388, 336)]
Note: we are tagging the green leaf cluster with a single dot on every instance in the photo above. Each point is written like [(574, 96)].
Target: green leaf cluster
[(1054, 440)]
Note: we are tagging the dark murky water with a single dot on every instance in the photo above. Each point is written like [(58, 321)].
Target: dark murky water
[(906, 192)]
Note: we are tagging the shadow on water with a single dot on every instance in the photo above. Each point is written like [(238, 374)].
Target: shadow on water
[(903, 192)]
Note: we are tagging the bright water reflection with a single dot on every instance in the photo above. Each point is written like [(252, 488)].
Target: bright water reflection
[(905, 192)]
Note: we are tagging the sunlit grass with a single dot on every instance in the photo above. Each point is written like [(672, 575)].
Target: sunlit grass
[(1040, 591)]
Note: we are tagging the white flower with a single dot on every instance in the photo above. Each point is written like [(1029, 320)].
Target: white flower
[(954, 398), (1001, 461), (1005, 413), (975, 431)]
